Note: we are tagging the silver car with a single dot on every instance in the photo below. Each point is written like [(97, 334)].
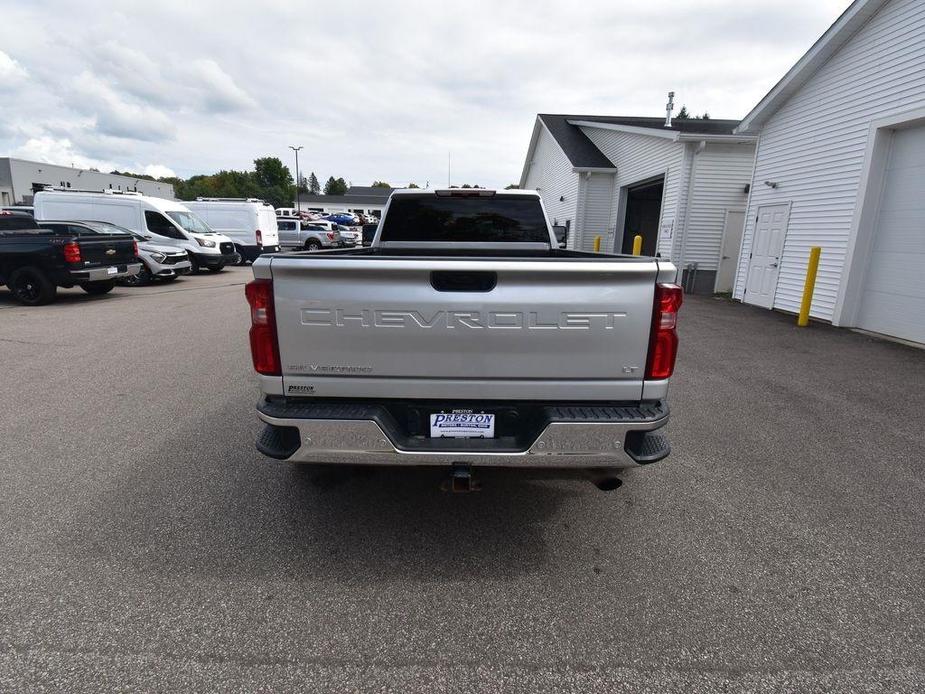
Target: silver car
[(158, 261)]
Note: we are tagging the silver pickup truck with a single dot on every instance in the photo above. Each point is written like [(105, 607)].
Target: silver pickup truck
[(464, 337)]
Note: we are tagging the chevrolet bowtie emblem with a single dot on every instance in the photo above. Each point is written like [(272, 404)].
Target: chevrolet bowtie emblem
[(111, 251)]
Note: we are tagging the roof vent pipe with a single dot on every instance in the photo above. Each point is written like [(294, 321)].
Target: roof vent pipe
[(669, 107)]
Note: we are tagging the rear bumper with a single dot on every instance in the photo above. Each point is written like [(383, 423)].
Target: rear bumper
[(101, 274), (615, 437)]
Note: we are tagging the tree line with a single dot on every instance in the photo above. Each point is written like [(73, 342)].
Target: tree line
[(270, 180)]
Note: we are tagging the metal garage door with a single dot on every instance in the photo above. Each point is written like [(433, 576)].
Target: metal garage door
[(893, 302)]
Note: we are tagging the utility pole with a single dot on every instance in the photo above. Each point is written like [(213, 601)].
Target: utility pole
[(298, 206)]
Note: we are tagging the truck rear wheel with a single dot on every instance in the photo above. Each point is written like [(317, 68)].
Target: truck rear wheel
[(98, 287), (31, 287), (312, 245)]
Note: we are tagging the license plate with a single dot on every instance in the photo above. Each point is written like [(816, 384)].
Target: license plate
[(459, 425), (112, 270)]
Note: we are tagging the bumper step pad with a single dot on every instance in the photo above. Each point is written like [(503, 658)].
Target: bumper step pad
[(278, 442), (647, 446)]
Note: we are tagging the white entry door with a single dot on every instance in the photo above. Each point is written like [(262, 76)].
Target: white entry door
[(729, 254), (767, 246)]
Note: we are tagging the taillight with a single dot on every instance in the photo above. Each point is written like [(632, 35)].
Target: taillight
[(259, 238), (135, 248), (264, 347), (71, 252), (330, 236), (663, 342)]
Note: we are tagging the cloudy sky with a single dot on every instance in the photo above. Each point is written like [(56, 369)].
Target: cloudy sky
[(370, 90)]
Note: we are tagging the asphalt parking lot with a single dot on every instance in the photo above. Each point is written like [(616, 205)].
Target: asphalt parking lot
[(146, 545)]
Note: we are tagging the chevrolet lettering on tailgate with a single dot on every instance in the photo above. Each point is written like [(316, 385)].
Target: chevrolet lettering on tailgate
[(499, 320)]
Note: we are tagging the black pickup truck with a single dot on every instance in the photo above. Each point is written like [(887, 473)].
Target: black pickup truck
[(34, 261)]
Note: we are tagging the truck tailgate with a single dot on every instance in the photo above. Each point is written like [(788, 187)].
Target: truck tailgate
[(566, 329), (103, 249)]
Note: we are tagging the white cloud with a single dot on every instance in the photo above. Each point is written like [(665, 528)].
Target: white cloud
[(11, 72), (118, 116), (217, 89), (158, 171), (52, 150), (132, 71)]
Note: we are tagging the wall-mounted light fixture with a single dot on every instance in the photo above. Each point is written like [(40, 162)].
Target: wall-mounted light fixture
[(561, 198), (771, 184)]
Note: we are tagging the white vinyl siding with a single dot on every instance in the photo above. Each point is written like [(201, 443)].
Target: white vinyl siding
[(637, 158), (814, 148), (551, 173), (721, 173), (596, 206)]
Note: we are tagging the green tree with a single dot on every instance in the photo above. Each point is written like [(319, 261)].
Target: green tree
[(512, 186), (273, 180), (335, 186), (684, 114), (313, 186), (380, 184), (413, 185)]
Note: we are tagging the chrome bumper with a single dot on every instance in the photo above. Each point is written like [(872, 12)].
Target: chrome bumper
[(102, 273), (560, 444)]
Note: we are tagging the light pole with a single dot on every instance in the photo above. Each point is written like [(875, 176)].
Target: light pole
[(298, 207)]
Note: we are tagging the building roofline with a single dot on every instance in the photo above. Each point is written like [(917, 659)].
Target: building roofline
[(81, 168), (534, 140), (531, 150), (846, 26), (634, 129)]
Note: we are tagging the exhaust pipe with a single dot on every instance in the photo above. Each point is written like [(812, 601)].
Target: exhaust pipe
[(608, 484)]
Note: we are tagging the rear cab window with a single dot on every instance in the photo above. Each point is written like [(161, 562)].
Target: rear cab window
[(469, 218)]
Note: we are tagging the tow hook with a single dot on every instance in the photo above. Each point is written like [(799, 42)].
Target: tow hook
[(461, 480)]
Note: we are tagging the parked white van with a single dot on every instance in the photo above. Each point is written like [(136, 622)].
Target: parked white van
[(169, 221), (250, 223)]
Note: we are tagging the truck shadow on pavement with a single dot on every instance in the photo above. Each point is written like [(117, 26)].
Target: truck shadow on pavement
[(196, 511)]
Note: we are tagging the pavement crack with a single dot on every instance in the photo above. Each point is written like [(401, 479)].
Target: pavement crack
[(44, 344)]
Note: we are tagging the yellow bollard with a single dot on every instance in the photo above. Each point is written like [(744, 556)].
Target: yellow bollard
[(637, 245), (597, 244), (809, 285)]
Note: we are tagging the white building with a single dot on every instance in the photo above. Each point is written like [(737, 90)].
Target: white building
[(369, 200), (21, 179), (841, 165), (682, 187)]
